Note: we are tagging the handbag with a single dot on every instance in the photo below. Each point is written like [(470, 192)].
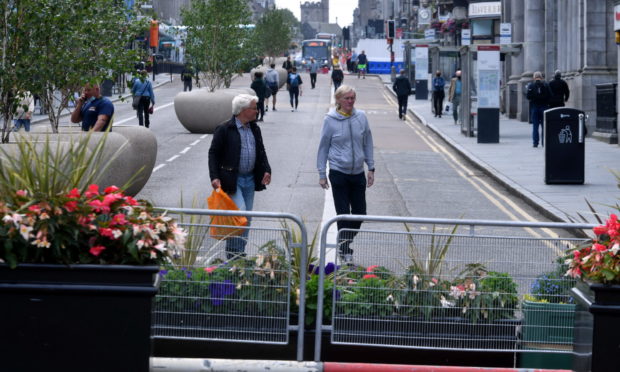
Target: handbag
[(151, 110), (136, 99), (223, 227)]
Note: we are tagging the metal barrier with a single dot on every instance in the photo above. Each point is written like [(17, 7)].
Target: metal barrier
[(427, 284), (235, 287)]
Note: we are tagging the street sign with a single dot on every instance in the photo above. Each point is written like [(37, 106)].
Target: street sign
[(429, 34), (505, 33), (465, 37), (488, 77)]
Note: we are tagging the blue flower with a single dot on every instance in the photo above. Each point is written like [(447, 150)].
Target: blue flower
[(220, 290)]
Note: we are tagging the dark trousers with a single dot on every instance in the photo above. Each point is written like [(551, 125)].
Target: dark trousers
[(313, 79), (438, 96), (536, 117), (337, 84), (402, 105), (294, 94), (349, 193), (187, 85), (143, 111), (261, 109)]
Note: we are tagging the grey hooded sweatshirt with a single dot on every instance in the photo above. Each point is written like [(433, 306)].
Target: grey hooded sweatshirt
[(346, 142)]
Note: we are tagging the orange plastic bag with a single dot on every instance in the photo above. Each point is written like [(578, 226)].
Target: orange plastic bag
[(223, 225)]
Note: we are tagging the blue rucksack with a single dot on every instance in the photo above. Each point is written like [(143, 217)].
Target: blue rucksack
[(293, 80)]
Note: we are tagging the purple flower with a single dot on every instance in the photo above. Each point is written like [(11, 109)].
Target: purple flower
[(220, 290), (330, 268), (163, 273)]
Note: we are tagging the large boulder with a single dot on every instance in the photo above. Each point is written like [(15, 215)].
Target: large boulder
[(201, 111)]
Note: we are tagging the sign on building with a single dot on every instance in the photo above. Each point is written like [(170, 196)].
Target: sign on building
[(505, 33), (489, 9), (465, 36), (429, 34)]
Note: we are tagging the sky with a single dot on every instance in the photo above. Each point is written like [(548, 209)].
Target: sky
[(343, 9)]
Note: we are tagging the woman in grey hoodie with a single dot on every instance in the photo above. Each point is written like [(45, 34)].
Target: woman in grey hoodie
[(346, 143)]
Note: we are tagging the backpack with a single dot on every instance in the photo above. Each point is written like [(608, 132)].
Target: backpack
[(293, 81), (538, 92)]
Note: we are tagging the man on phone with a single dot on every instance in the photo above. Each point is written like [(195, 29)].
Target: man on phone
[(93, 110)]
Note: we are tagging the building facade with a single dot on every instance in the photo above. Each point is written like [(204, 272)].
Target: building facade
[(315, 12), (169, 11)]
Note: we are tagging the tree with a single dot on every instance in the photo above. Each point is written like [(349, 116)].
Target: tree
[(273, 32), (217, 38), (52, 48)]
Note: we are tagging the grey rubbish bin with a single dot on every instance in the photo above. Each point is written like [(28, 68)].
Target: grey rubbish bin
[(564, 131)]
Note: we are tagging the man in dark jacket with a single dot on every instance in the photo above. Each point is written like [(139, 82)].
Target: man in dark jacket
[(402, 88), (187, 75), (538, 93), (260, 87), (559, 90), (238, 162)]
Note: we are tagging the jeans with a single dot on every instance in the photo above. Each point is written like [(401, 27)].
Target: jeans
[(244, 199), (143, 111), (18, 123), (349, 191), (337, 84), (313, 79), (536, 117), (456, 101), (261, 109), (294, 94), (187, 85), (402, 105)]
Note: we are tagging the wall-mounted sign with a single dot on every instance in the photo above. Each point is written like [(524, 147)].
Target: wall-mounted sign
[(465, 36), (616, 17), (505, 33), (489, 9), (424, 16), (429, 34)]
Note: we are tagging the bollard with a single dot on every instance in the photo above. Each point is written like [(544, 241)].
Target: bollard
[(393, 73)]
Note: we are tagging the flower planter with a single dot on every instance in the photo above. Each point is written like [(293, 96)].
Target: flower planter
[(76, 318), (440, 332), (548, 323), (597, 327)]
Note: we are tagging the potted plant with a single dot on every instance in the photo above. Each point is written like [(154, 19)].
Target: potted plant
[(77, 263), (597, 264)]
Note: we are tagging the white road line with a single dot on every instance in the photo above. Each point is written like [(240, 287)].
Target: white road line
[(136, 118), (203, 136), (160, 166), (172, 158), (194, 143), (185, 150)]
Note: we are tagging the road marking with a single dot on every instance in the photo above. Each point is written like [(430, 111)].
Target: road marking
[(194, 143), (185, 150), (172, 158), (136, 118), (203, 136), (160, 166), (465, 172)]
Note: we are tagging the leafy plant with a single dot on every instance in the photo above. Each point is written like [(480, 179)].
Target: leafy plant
[(498, 297), (372, 295), (553, 287), (431, 264), (196, 226)]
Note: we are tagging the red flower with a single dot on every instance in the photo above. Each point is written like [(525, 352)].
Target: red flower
[(96, 250), (99, 206), (111, 189), (370, 269), (131, 201), (107, 232), (75, 193), (369, 276), (35, 208), (599, 247), (71, 206), (21, 193), (93, 190), (111, 198), (599, 230), (118, 219)]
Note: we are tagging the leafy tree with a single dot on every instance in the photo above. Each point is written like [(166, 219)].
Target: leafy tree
[(52, 48), (217, 38), (273, 32)]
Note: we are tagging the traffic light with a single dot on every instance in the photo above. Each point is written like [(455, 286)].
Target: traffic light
[(391, 31), (345, 33)]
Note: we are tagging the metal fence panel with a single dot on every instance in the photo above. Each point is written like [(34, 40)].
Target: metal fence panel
[(434, 287), (209, 294)]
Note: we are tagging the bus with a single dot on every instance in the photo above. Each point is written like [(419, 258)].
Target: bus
[(317, 48)]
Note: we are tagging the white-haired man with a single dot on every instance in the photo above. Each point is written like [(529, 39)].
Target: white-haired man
[(238, 162)]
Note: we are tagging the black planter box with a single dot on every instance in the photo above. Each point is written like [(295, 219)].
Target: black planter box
[(437, 332), (597, 326), (76, 318)]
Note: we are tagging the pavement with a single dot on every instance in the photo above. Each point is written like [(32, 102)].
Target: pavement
[(518, 166)]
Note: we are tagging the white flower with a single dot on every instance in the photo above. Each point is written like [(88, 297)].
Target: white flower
[(25, 231), (140, 244), (615, 248), (446, 303), (390, 298), (41, 243), (161, 247), (44, 216), (117, 233)]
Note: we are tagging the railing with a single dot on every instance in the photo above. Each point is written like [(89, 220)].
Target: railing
[(449, 284), (234, 288)]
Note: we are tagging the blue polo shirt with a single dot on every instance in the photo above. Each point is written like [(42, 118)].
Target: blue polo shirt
[(92, 109)]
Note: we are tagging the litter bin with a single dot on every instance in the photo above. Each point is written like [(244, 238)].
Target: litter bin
[(564, 146)]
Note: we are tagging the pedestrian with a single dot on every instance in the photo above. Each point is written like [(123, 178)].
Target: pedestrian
[(142, 92), (337, 77), (438, 93), (93, 110), (288, 65), (402, 88), (293, 84), (260, 87), (335, 60), (538, 93), (313, 68), (353, 61), (23, 113), (272, 78), (346, 144), (454, 94), (187, 74), (362, 60), (559, 90), (238, 162)]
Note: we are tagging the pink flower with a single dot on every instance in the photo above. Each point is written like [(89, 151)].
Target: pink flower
[(99, 206), (369, 276), (111, 189), (71, 206), (599, 247), (118, 219), (210, 269), (35, 208), (107, 232), (131, 201), (599, 230), (96, 250), (74, 193), (21, 193)]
